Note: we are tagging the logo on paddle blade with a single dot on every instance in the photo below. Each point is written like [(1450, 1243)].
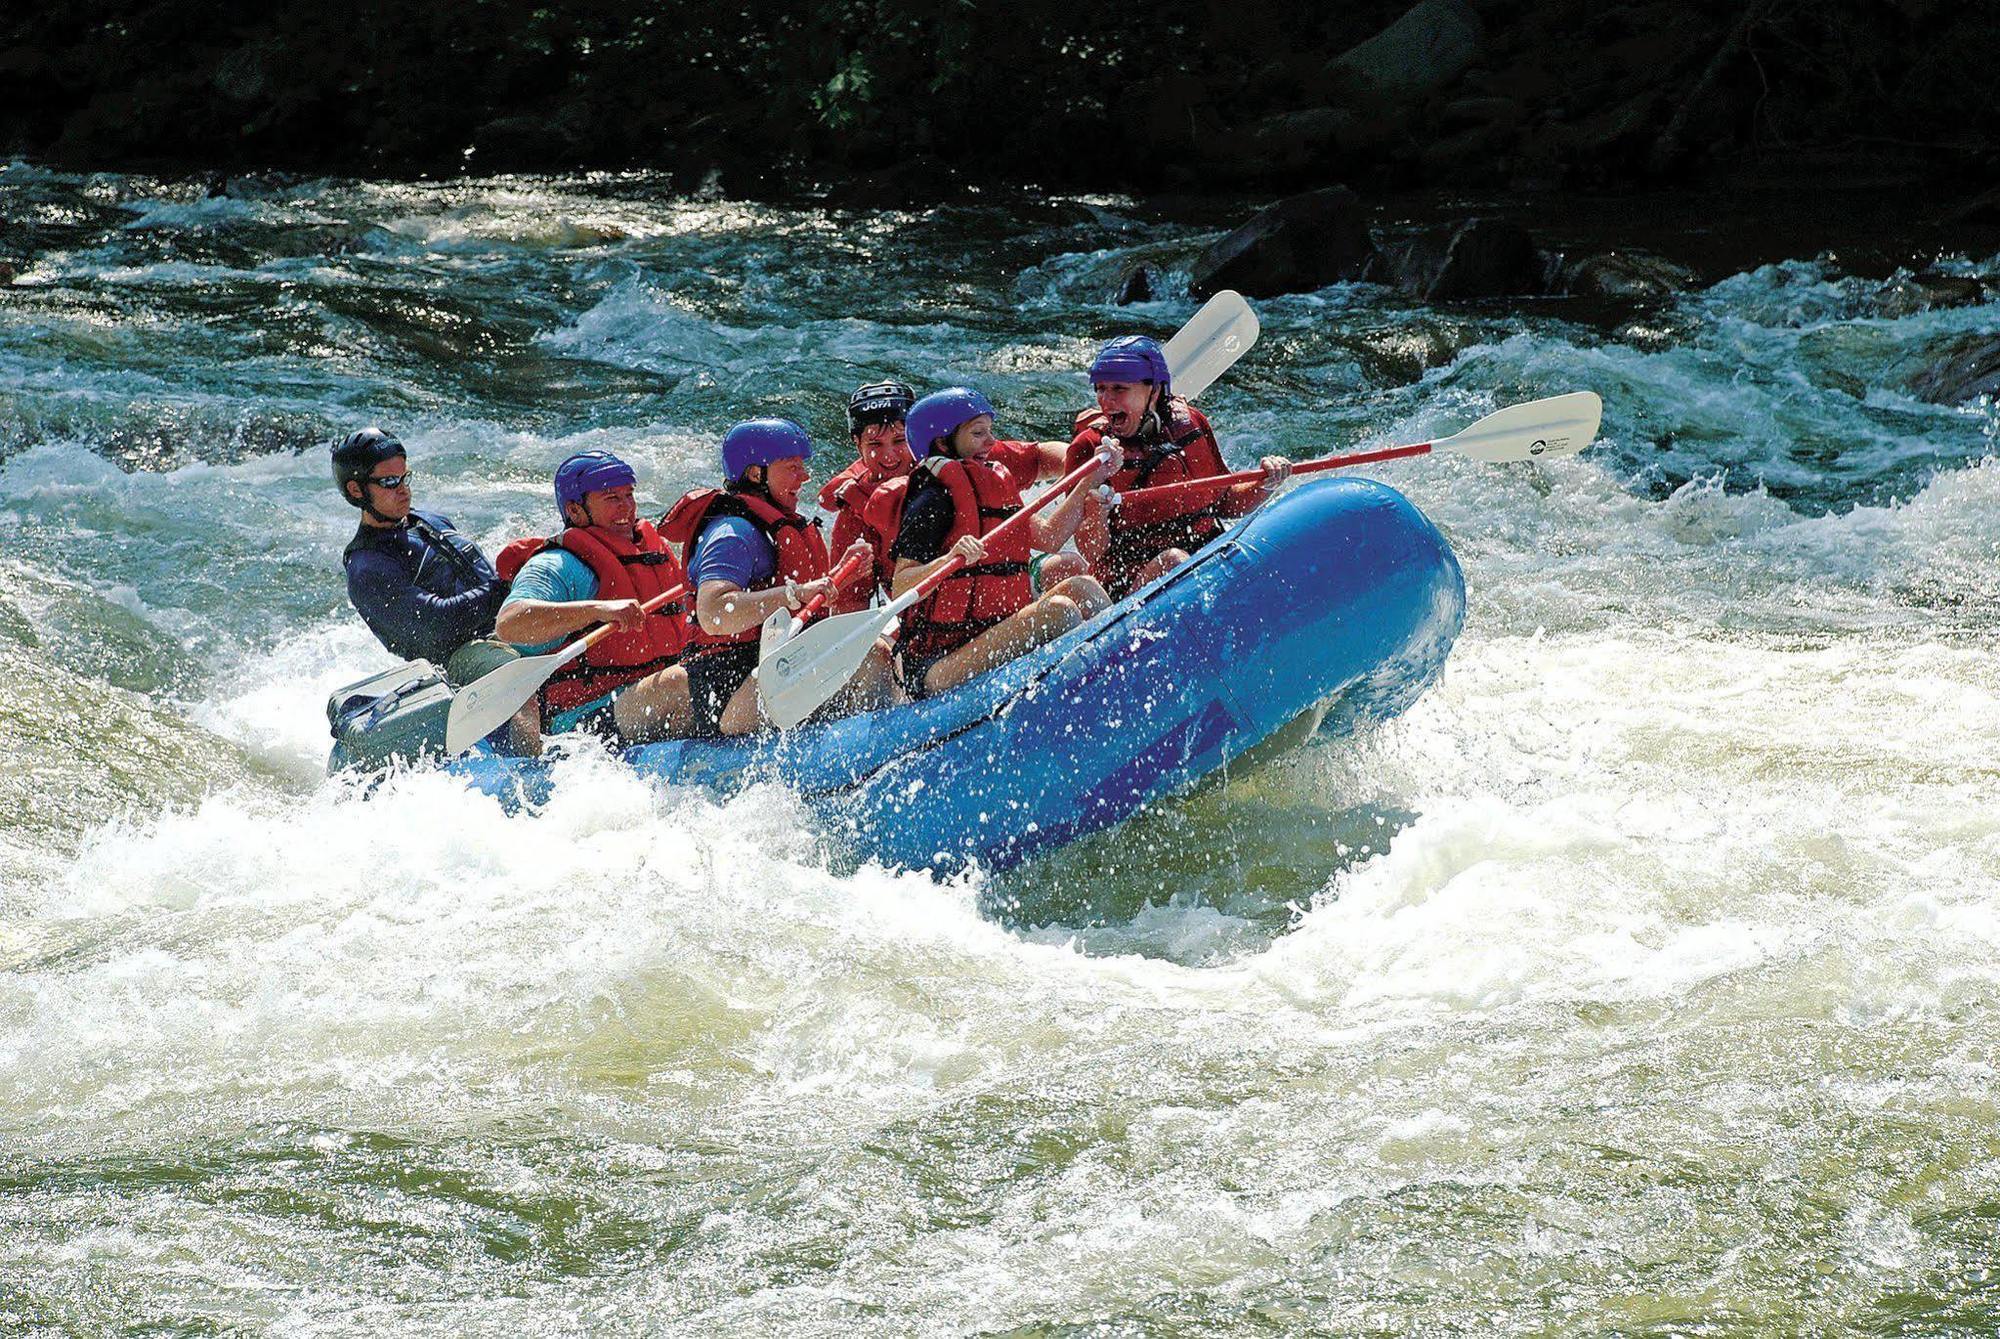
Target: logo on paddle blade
[(1540, 445)]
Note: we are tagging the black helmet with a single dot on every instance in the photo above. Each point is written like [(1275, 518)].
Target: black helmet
[(878, 402), (356, 458)]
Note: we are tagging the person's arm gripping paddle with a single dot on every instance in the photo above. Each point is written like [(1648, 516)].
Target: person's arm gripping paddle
[(1560, 425), (819, 662), (483, 705), (784, 625)]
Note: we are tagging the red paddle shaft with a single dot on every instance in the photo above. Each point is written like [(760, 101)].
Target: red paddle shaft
[(937, 578), (840, 574), (1218, 482), (601, 630)]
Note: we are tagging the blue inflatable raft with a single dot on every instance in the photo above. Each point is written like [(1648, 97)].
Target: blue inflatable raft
[(1338, 602)]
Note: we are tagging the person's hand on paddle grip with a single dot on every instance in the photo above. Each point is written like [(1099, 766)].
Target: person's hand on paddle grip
[(1107, 460), (970, 548), (1276, 469), (624, 613), (856, 568)]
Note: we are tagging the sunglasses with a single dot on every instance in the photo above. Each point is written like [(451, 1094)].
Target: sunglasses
[(391, 481)]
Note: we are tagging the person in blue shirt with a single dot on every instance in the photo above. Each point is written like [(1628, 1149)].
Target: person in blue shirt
[(604, 567), (751, 554), (422, 588)]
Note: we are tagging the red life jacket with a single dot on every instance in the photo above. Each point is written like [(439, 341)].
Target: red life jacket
[(854, 496), (1185, 448), (974, 598), (801, 549), (626, 569), (882, 521), (882, 514)]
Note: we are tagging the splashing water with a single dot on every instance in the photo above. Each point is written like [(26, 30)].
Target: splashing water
[(1643, 978)]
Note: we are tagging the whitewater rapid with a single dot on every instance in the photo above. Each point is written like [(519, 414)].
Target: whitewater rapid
[(1644, 977)]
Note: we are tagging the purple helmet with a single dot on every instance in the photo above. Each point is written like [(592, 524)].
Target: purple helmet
[(759, 441), (1132, 358), (589, 472), (939, 415)]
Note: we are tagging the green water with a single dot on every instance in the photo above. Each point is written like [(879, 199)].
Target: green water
[(1643, 979)]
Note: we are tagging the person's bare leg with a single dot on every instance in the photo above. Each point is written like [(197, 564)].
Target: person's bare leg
[(524, 731), (744, 712), (1088, 593), (1057, 568), (1065, 607), (873, 685), (656, 707), (1158, 566)]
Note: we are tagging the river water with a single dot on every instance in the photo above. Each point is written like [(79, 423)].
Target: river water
[(1644, 978)]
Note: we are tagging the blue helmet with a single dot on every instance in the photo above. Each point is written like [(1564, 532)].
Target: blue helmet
[(589, 472), (1132, 358), (939, 415), (759, 441)]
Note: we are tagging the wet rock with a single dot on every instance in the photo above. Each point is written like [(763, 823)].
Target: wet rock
[(1485, 113), (1908, 294), (916, 181), (525, 142), (1615, 133), (1296, 245), (1294, 139), (1626, 274), (1983, 208), (1420, 53), (1482, 153), (1137, 287), (1284, 146), (245, 74), (1963, 370), (1480, 258)]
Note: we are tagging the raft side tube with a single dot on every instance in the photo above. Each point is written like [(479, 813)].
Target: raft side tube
[(1338, 593)]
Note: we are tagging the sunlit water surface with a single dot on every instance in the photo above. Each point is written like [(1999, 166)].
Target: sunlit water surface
[(1644, 978)]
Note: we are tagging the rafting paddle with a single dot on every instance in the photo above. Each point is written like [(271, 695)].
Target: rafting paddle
[(486, 703), (1218, 334), (1214, 337), (783, 625), (1560, 425), (817, 663), (797, 672)]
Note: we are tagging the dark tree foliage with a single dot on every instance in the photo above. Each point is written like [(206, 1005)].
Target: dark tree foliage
[(768, 97)]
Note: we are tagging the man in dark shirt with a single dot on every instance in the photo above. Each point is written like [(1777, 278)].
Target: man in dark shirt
[(423, 589)]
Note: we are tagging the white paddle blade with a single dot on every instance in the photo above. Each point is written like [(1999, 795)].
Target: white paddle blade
[(488, 702), (813, 666), (779, 628), (1560, 425), (1214, 338)]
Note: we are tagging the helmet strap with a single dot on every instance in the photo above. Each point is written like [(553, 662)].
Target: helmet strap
[(761, 488), (367, 507)]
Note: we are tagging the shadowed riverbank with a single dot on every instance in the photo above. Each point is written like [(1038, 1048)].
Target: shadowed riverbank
[(905, 101)]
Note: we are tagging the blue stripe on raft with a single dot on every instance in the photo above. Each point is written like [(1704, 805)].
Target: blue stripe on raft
[(1339, 596)]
